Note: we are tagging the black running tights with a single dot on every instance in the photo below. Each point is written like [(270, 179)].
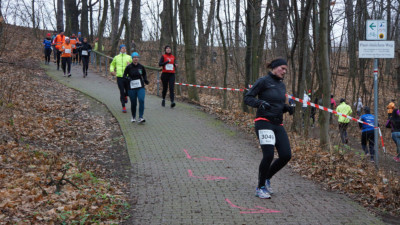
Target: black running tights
[(266, 169)]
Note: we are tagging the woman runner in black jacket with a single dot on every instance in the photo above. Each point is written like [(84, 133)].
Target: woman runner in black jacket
[(268, 95)]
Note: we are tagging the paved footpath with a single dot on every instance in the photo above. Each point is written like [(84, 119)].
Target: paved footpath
[(190, 168)]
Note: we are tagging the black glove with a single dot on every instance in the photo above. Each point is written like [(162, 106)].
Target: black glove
[(264, 105), (146, 82), (288, 108)]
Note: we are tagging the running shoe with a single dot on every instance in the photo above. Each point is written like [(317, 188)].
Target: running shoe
[(163, 103), (133, 120), (397, 159), (262, 193), (64, 75), (268, 186), (173, 105), (141, 120), (124, 109), (69, 75)]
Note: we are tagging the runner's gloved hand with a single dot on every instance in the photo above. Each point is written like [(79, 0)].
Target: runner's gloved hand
[(146, 82), (288, 108), (264, 105)]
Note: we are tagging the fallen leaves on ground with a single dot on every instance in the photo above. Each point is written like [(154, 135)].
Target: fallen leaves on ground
[(54, 151)]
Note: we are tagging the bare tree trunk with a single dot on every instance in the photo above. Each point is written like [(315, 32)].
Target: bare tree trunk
[(71, 17), (166, 38), (60, 15), (187, 15), (114, 26), (237, 17), (84, 19), (204, 34), (326, 72), (221, 31), (1, 28), (253, 17), (102, 26), (33, 18), (136, 21), (280, 19), (124, 21)]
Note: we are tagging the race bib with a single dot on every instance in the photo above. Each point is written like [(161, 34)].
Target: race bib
[(169, 66), (136, 84), (84, 52), (73, 46), (267, 137), (68, 51)]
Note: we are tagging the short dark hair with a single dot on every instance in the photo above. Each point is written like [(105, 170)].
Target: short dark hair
[(342, 100), (367, 110)]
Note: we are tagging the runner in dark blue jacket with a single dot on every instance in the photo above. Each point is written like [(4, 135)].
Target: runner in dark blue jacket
[(367, 132), (268, 96), (47, 48)]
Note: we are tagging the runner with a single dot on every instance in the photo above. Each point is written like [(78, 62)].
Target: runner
[(367, 133), (58, 42), (136, 74), (66, 50), (117, 68), (268, 95), (394, 124), (167, 61), (79, 47), (74, 42), (86, 48), (47, 49), (343, 121)]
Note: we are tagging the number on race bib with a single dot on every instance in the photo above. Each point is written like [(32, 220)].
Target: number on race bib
[(267, 137), (169, 66), (67, 51), (136, 84), (84, 52), (73, 46)]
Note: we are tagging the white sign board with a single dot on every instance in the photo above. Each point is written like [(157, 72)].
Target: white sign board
[(376, 49), (376, 30)]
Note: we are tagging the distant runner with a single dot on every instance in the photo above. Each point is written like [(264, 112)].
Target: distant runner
[(86, 48), (58, 42), (47, 49), (167, 61), (66, 50), (117, 68), (136, 74)]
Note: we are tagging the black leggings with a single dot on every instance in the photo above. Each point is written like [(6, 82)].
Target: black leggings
[(368, 136), (47, 53), (58, 59), (123, 86), (168, 78), (266, 169), (85, 62), (66, 61)]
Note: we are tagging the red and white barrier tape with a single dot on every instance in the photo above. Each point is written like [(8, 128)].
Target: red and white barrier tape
[(298, 100), (209, 87), (337, 113)]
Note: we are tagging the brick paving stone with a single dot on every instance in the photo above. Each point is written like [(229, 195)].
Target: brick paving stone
[(167, 195)]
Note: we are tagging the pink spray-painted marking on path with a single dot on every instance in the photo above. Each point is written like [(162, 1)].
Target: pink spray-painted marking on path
[(259, 209), (206, 177), (203, 158)]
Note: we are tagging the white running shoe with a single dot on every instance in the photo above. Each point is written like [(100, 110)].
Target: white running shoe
[(262, 193), (141, 120), (268, 186), (133, 120)]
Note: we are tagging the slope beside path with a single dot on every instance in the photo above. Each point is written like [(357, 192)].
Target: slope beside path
[(190, 168)]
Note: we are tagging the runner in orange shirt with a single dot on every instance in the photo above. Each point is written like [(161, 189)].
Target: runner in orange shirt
[(58, 42), (66, 50)]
